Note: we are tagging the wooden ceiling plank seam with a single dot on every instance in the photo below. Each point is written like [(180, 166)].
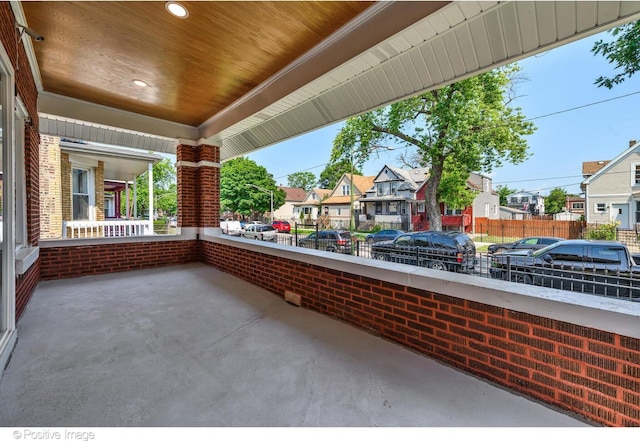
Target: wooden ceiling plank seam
[(466, 45), (546, 19), (508, 18), (566, 19), (527, 25)]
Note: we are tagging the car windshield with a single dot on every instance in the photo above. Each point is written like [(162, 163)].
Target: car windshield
[(544, 250)]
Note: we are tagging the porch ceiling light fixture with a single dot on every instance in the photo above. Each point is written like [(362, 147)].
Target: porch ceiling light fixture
[(30, 32), (140, 83), (176, 9)]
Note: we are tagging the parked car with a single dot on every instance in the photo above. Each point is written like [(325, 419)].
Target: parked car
[(232, 228), (592, 266), (383, 235), (282, 226), (328, 240), (528, 243), (441, 250), (260, 232)]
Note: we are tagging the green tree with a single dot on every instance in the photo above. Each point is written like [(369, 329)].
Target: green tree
[(165, 189), (334, 171), (556, 201), (238, 194), (503, 192), (306, 180), (623, 52), (463, 127)]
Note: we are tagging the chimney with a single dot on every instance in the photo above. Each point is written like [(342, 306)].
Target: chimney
[(632, 142)]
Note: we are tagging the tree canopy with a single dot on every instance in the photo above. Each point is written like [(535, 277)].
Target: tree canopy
[(306, 180), (503, 192), (165, 189), (334, 171), (623, 52), (555, 202), (464, 127), (238, 193)]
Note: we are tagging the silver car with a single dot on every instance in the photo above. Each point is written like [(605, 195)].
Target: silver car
[(260, 232)]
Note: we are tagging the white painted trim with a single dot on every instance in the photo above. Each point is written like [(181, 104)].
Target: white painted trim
[(607, 314), (58, 243), (25, 257), (7, 342), (16, 6), (198, 164)]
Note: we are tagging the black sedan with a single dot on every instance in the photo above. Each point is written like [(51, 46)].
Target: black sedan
[(528, 243), (383, 235)]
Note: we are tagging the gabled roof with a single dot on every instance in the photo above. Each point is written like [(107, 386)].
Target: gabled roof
[(590, 167), (609, 164), (321, 192), (360, 183), (294, 194)]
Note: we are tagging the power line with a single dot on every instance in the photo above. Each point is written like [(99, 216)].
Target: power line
[(583, 106)]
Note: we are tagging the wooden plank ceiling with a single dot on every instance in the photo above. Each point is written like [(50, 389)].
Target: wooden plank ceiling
[(195, 67)]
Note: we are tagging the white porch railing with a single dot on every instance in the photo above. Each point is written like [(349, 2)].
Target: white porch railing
[(123, 228)]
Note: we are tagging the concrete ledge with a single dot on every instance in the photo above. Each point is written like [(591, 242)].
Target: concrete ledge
[(185, 235), (604, 313)]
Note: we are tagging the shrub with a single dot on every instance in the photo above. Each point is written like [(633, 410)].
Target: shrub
[(603, 231), (376, 228)]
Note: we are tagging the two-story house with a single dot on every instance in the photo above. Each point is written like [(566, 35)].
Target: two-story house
[(397, 200), (288, 211), (337, 207), (612, 189), (310, 207), (527, 201)]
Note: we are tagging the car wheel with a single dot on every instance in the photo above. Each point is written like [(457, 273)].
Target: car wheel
[(331, 249), (440, 266), (302, 245), (522, 278), (500, 250), (383, 257), (370, 240)]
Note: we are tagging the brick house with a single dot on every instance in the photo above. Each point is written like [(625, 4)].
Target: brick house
[(88, 183), (567, 350)]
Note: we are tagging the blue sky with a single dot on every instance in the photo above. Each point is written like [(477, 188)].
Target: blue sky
[(556, 81)]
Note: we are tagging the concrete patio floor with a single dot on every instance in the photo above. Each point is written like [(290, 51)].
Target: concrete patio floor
[(192, 346)]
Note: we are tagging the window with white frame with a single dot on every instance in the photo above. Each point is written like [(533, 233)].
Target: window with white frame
[(452, 211), (394, 187), (81, 193), (636, 173), (346, 190), (600, 207), (577, 205)]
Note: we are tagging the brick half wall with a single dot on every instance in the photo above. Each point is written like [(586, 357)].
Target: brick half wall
[(67, 261), (587, 371)]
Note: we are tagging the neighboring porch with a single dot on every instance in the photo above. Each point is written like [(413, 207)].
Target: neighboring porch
[(189, 345)]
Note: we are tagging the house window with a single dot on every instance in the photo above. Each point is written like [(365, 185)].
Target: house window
[(346, 190), (379, 189), (637, 174), (393, 207), (394, 187), (81, 196), (452, 212), (339, 210), (378, 207), (600, 207), (486, 209), (577, 205)]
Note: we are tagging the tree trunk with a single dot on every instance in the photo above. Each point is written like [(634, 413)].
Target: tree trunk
[(431, 196)]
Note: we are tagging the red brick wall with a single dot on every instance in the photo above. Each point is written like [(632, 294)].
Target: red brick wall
[(25, 284), (188, 187), (76, 261), (209, 181), (587, 371)]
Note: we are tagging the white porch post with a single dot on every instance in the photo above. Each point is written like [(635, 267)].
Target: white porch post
[(135, 197), (126, 204), (151, 208)]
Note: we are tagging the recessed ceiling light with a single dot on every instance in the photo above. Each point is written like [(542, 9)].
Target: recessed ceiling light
[(176, 9), (140, 83)]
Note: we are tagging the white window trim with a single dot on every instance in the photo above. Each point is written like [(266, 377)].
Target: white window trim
[(597, 210), (634, 165), (91, 189)]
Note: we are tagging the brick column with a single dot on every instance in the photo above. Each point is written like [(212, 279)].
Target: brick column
[(198, 171)]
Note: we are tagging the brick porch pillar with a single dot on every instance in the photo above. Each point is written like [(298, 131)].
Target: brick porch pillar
[(198, 170)]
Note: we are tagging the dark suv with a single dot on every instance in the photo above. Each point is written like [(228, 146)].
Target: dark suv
[(441, 250), (328, 240), (595, 267)]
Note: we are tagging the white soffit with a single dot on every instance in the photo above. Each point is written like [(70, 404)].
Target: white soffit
[(462, 39), (81, 130)]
